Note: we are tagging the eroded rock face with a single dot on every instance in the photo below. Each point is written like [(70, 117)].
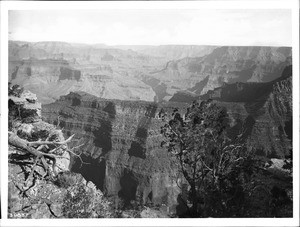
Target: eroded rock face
[(35, 191), (269, 112), (122, 139), (43, 198), (225, 64), (265, 110), (52, 69), (51, 78), (25, 106), (122, 144), (274, 126)]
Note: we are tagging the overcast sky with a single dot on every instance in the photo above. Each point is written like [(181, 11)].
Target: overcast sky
[(153, 27)]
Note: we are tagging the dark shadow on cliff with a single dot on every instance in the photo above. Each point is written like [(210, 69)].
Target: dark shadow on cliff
[(242, 129), (103, 133), (198, 87), (138, 146), (69, 74), (288, 128), (15, 73), (128, 187), (182, 210), (94, 171)]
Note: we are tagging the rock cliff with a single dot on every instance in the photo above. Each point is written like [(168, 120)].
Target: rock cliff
[(32, 191), (52, 69), (51, 78), (122, 138), (264, 108), (223, 65), (122, 144)]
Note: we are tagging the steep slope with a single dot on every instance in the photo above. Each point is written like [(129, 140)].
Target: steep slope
[(273, 115), (35, 191), (224, 64), (122, 138), (122, 144), (267, 110), (128, 72), (100, 70), (50, 79)]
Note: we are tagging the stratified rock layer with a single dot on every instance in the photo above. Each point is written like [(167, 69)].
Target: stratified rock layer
[(227, 64), (122, 138), (52, 69), (122, 144), (264, 110)]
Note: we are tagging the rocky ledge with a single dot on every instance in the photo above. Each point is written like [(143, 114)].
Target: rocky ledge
[(32, 191)]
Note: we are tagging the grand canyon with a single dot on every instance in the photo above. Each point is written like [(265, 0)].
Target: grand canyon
[(111, 97)]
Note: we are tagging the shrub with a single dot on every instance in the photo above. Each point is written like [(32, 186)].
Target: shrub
[(77, 203)]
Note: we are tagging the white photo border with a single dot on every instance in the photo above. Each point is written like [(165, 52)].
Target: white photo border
[(124, 5)]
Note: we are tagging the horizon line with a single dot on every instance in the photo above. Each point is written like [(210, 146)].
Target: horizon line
[(155, 45)]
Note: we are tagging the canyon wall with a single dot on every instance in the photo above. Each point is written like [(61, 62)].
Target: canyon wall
[(263, 109), (150, 73), (122, 146), (226, 64), (122, 138), (51, 78)]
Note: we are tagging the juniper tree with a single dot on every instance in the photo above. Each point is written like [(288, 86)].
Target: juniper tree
[(208, 159)]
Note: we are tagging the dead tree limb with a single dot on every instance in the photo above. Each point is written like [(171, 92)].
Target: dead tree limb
[(35, 143), (29, 147)]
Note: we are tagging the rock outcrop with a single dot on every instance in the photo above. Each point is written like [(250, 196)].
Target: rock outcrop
[(46, 199), (32, 192)]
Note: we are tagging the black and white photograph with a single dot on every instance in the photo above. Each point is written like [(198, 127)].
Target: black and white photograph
[(150, 111)]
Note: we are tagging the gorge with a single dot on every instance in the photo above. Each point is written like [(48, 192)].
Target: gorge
[(111, 97)]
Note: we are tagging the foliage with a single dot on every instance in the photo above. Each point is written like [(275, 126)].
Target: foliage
[(217, 168), (83, 202), (288, 162), (65, 179), (76, 203)]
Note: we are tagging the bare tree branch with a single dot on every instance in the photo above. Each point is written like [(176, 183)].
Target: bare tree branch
[(25, 146)]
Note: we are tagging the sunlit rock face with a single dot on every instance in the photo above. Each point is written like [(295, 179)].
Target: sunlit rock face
[(52, 69), (122, 144), (150, 73), (223, 65), (50, 79)]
